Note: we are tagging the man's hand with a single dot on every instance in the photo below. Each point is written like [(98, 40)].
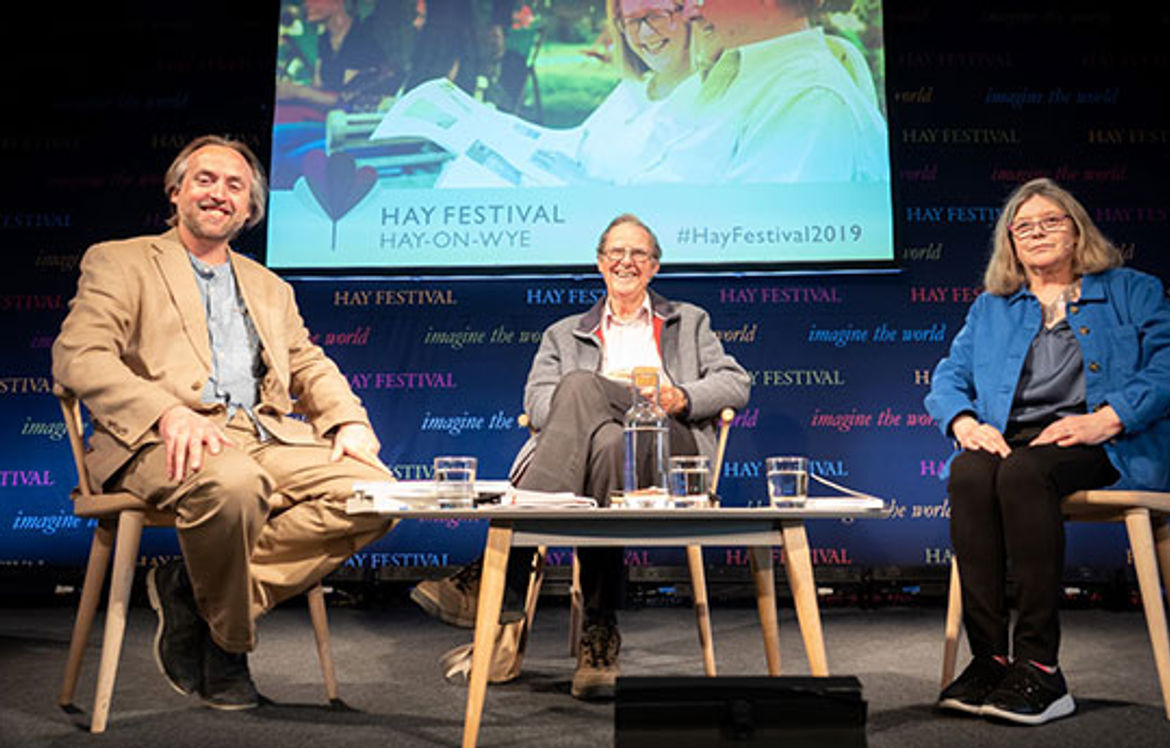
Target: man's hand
[(673, 400), (359, 442), (973, 435), (1091, 428), (186, 434)]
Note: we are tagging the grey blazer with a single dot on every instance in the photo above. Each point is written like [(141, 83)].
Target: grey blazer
[(692, 357)]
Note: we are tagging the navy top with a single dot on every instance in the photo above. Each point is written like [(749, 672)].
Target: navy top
[(1052, 381)]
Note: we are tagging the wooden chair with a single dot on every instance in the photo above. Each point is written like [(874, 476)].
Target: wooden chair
[(120, 518), (694, 565), (1144, 514)]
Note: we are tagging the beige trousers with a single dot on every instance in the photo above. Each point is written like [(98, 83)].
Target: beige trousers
[(258, 523)]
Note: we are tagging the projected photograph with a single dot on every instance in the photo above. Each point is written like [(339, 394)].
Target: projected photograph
[(500, 135)]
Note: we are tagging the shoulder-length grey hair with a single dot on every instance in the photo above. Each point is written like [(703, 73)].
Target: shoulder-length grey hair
[(257, 193), (1093, 253)]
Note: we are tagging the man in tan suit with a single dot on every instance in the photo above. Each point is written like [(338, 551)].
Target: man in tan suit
[(192, 360)]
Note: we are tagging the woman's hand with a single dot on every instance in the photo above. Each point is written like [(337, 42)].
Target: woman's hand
[(973, 435), (1091, 428)]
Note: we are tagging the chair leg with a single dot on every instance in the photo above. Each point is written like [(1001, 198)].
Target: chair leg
[(535, 582), (91, 590), (576, 609), (532, 597), (1162, 546), (1141, 542), (121, 579), (702, 608), (316, 598), (953, 625)]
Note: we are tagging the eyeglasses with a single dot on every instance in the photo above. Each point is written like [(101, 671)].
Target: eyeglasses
[(1023, 229), (660, 22), (638, 255)]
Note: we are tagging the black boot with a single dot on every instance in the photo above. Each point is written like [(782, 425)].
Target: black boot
[(178, 641), (226, 682)]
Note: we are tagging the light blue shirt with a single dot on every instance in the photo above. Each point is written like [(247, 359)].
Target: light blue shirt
[(235, 345)]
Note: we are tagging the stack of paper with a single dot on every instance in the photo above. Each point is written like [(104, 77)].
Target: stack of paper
[(520, 498)]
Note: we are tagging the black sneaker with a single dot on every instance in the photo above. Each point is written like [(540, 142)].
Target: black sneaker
[(226, 682), (1030, 696), (968, 692), (178, 640)]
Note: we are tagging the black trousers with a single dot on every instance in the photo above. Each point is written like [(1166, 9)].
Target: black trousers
[(1009, 509), (581, 449)]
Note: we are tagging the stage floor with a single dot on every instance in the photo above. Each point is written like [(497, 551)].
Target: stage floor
[(386, 658)]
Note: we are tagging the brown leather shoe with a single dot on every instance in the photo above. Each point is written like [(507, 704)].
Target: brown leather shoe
[(507, 656), (452, 600), (597, 662)]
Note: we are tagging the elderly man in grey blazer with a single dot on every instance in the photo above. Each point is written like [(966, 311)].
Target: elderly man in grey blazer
[(192, 360), (576, 400)]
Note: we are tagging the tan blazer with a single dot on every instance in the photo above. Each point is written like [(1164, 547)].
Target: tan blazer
[(135, 343)]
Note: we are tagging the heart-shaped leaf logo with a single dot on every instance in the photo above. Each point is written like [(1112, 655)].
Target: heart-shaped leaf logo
[(337, 183)]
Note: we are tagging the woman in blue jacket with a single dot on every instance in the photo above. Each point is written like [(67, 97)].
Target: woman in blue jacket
[(1058, 381)]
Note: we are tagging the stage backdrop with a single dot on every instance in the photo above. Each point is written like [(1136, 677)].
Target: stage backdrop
[(978, 100)]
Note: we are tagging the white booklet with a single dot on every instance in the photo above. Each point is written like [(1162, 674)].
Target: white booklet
[(851, 501), (520, 498), (406, 495), (403, 495)]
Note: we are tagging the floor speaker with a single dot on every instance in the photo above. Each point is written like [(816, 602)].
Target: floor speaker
[(793, 712)]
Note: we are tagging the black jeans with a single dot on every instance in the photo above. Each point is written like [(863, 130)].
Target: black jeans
[(1009, 508), (581, 449)]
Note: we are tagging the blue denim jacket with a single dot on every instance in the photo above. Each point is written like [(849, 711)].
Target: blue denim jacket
[(1122, 322)]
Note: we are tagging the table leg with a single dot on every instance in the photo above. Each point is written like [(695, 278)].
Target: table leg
[(487, 620), (798, 564), (702, 608), (765, 578)]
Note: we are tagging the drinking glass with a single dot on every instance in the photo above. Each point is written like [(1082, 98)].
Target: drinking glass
[(690, 480), (787, 481), (455, 482)]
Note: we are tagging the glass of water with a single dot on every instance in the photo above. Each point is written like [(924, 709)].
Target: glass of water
[(455, 482), (690, 480), (787, 481)]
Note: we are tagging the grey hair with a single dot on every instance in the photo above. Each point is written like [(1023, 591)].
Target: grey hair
[(1093, 252), (625, 218)]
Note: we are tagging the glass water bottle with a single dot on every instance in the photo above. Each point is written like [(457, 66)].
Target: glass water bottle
[(647, 443)]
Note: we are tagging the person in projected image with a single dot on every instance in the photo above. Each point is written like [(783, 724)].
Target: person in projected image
[(350, 62), (653, 55), (775, 100), (627, 127), (576, 396), (1058, 381)]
